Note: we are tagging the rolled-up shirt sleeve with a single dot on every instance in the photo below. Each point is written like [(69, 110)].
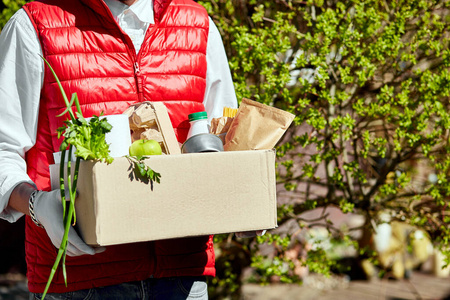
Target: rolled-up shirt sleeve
[(21, 75)]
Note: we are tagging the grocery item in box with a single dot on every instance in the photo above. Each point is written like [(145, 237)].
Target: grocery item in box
[(220, 126), (150, 121), (256, 126)]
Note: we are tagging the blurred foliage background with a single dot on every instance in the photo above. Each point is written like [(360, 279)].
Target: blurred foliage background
[(363, 171), (8, 8)]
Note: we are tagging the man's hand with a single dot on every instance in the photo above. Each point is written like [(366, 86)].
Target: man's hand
[(250, 234), (48, 211)]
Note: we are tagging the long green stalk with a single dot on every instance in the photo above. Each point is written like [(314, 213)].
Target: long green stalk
[(69, 179), (61, 250), (61, 181), (73, 134), (74, 189), (67, 218), (63, 93)]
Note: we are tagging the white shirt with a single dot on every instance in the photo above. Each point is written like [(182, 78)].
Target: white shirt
[(21, 79), (134, 19)]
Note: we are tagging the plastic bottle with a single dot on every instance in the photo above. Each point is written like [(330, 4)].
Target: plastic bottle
[(199, 123)]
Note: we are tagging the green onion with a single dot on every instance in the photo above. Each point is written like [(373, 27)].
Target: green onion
[(90, 143)]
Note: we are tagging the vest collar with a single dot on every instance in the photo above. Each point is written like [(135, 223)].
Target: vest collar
[(159, 7), (100, 7)]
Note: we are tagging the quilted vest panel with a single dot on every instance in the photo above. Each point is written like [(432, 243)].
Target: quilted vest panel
[(93, 57)]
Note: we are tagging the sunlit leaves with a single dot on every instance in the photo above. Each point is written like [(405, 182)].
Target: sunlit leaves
[(369, 82)]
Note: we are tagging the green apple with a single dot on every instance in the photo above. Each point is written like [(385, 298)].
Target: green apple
[(145, 147)]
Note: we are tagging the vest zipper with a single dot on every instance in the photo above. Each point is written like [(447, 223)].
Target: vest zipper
[(139, 85), (137, 57), (136, 68), (132, 52)]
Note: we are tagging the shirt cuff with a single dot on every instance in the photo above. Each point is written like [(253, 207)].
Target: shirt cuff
[(9, 214)]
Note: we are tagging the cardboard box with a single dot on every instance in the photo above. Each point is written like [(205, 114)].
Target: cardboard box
[(199, 194)]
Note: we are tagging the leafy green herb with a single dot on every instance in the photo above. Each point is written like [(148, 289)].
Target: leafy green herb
[(89, 140), (143, 171), (87, 137)]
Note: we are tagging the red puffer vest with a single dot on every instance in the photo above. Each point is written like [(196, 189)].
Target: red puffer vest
[(95, 58)]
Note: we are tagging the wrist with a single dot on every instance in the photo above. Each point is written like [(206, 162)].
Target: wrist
[(19, 198)]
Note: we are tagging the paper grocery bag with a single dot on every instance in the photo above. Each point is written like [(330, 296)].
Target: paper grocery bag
[(220, 127), (256, 126)]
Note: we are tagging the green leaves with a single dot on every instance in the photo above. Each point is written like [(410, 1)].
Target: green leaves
[(11, 6), (144, 170), (88, 137), (370, 85)]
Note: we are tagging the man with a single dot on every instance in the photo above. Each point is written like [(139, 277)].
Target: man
[(113, 54)]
